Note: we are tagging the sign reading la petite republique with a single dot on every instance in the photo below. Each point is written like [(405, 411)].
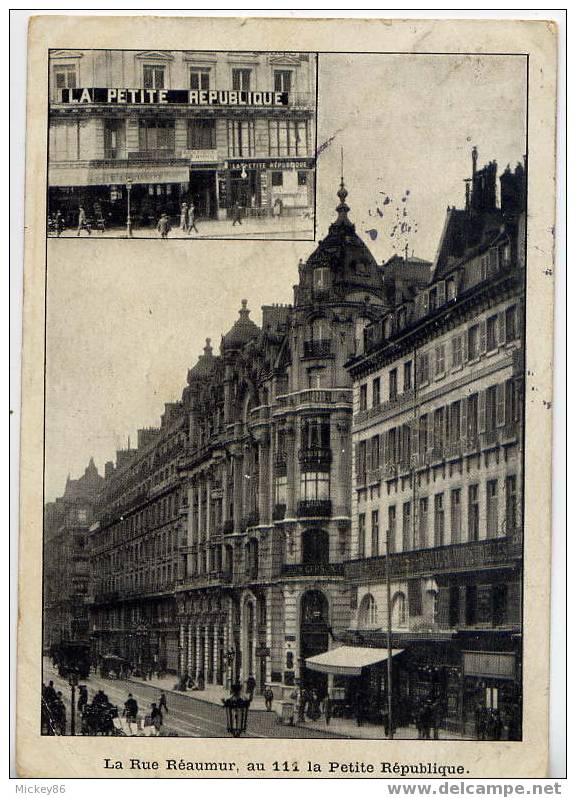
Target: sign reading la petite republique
[(174, 97)]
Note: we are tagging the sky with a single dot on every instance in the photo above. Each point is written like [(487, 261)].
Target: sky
[(126, 320)]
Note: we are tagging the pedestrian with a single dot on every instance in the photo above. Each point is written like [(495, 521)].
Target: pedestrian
[(130, 708), (480, 721), (156, 716), (277, 209), (250, 686), (82, 697), (236, 214), (50, 693), (162, 702), (163, 226), (58, 711), (268, 698), (426, 720), (192, 218), (83, 221), (184, 217)]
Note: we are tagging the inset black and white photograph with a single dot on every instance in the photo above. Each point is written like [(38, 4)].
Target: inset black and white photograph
[(181, 144)]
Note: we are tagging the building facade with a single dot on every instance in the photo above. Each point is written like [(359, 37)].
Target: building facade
[(163, 127), (438, 459), (66, 588)]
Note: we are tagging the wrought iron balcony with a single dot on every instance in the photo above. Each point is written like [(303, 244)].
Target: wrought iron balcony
[(320, 348), (471, 444), (315, 456), (373, 475), (458, 557), (314, 508), (313, 569), (454, 450)]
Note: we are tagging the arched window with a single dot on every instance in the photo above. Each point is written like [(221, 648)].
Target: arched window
[(314, 608), (320, 329), (399, 617), (315, 546), (368, 613)]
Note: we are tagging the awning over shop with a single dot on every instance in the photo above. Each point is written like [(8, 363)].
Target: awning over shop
[(349, 660)]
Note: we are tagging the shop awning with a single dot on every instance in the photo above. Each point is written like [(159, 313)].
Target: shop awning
[(349, 660)]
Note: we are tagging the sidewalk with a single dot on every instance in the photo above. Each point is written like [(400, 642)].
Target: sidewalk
[(295, 228), (212, 694)]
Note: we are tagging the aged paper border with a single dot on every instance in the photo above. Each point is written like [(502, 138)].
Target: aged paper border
[(59, 757)]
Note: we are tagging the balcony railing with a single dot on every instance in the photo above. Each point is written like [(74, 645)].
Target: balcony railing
[(384, 407), (313, 569), (315, 456), (490, 438), (316, 396), (373, 475), (471, 444), (320, 348), (457, 557), (314, 508), (249, 520), (454, 450)]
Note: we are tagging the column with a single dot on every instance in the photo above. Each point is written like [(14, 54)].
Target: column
[(199, 658), (238, 480), (227, 666), (264, 477), (341, 464), (268, 600), (208, 508), (181, 650), (207, 653), (215, 655), (292, 490), (199, 511), (189, 657)]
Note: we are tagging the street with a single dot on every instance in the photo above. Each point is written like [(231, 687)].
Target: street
[(186, 716)]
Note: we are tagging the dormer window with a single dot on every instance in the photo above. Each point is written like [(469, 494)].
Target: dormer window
[(321, 278)]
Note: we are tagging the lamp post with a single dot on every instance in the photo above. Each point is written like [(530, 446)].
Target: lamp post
[(73, 682), (230, 657), (128, 213), (236, 711)]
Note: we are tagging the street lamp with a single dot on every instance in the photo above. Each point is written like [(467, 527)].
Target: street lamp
[(128, 214), (236, 711), (230, 657), (73, 682)]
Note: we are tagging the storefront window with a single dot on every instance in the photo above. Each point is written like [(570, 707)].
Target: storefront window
[(302, 178), (287, 137), (277, 179), (156, 134), (201, 134)]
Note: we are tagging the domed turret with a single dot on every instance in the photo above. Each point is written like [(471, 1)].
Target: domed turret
[(205, 365), (244, 330), (351, 265)]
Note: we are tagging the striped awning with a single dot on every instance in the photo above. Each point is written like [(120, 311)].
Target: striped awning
[(349, 660)]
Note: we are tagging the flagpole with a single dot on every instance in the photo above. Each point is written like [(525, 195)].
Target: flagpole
[(389, 614)]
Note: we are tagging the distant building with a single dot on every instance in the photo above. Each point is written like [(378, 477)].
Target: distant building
[(438, 469), (66, 561), (215, 128)]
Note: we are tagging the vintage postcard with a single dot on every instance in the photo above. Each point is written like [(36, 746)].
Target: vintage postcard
[(286, 422)]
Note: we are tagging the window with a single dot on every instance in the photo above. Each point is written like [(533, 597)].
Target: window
[(439, 430), (368, 613), (376, 392), (439, 519), (280, 484), (64, 78), (473, 340), (492, 508), (282, 80), (241, 79), (315, 433), (456, 351), (288, 137), (199, 79), (511, 518), (454, 606), (399, 610), (422, 541), (408, 375), (433, 300), (424, 372), (455, 516), (393, 384), (406, 525), (65, 141), (511, 402), (363, 396), (511, 327), (361, 459), (499, 604), (471, 604), (423, 435), (302, 178), (201, 134), (451, 289), (491, 401), (241, 139), (362, 535), (156, 134), (473, 513), (472, 416), (277, 178), (375, 533), (82, 516), (454, 429), (315, 486), (375, 451), (492, 333), (320, 278), (153, 76), (392, 527)]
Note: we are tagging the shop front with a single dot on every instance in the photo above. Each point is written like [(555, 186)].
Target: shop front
[(272, 187)]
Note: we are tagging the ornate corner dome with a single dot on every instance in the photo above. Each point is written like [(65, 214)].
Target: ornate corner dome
[(244, 330), (205, 365), (352, 265)]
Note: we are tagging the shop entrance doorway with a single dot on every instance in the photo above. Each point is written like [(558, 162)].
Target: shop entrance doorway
[(202, 191)]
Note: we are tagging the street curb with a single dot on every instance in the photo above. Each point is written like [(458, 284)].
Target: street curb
[(192, 694)]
